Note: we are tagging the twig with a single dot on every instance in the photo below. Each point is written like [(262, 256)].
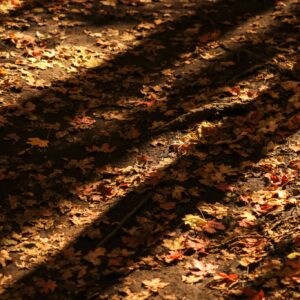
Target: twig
[(248, 72), (230, 241), (282, 220), (125, 219), (204, 113)]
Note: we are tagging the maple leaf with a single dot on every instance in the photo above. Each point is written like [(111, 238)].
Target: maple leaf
[(47, 286), (248, 219), (195, 222), (144, 295), (173, 256), (190, 278), (198, 270), (200, 267), (197, 244), (253, 294), (177, 192), (295, 100), (4, 258), (245, 223), (234, 90), (154, 284), (106, 148), (83, 122), (207, 37), (167, 205), (217, 210), (226, 277), (35, 141), (177, 244), (93, 256)]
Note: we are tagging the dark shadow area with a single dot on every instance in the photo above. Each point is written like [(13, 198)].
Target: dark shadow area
[(148, 236), (106, 88), (58, 105)]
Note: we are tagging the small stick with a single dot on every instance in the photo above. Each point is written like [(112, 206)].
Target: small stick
[(235, 239), (125, 219)]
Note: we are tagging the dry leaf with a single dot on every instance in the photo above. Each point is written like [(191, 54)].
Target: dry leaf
[(37, 142), (93, 256), (195, 222), (154, 284)]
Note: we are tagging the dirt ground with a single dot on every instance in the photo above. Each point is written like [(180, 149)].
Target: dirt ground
[(149, 149)]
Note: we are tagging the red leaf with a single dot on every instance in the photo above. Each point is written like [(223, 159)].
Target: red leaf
[(173, 256), (234, 90), (231, 277), (225, 187), (253, 294)]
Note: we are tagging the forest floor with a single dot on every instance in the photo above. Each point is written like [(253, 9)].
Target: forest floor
[(149, 149)]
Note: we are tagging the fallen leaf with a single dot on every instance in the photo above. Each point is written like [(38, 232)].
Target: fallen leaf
[(293, 255), (177, 244), (37, 142), (194, 221), (47, 286), (173, 256), (154, 284), (211, 226), (223, 276), (93, 256)]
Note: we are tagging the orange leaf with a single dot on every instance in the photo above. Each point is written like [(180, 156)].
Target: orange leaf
[(37, 142)]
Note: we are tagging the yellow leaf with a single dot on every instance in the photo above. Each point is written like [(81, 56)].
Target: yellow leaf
[(193, 221), (38, 142), (248, 215), (177, 244), (4, 258), (293, 255)]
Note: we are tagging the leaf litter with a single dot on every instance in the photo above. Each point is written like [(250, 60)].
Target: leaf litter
[(149, 149)]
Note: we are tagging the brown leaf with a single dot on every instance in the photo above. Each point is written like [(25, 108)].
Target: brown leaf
[(47, 286), (211, 226), (37, 142), (94, 256)]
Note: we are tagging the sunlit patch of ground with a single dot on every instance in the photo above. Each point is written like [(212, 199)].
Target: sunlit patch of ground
[(7, 6)]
